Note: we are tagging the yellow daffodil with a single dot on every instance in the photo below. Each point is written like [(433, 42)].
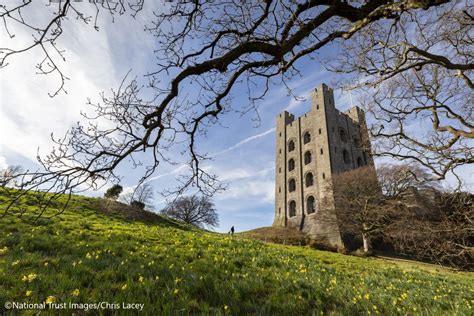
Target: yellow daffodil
[(76, 292), (50, 299), (29, 278)]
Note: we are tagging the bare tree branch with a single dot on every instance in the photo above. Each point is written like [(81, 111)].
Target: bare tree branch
[(205, 51)]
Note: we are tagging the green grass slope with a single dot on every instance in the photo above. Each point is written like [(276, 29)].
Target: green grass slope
[(88, 256)]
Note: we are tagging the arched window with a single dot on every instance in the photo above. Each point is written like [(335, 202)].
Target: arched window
[(306, 138), (291, 164), (309, 179), (356, 142), (292, 185), (343, 135), (359, 162), (345, 156), (310, 205), (319, 131), (292, 211), (307, 157), (291, 145)]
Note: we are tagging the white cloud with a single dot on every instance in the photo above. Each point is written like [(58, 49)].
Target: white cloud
[(294, 103), (93, 64), (3, 163), (177, 170), (239, 173), (261, 190), (243, 142)]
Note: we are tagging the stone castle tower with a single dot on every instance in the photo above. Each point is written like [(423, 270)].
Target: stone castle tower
[(309, 150)]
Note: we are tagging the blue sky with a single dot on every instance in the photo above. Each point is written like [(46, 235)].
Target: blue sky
[(97, 61)]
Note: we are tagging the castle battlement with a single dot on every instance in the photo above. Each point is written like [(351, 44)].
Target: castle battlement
[(309, 150)]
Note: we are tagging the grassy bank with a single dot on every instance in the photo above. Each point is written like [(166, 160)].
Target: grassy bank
[(87, 256)]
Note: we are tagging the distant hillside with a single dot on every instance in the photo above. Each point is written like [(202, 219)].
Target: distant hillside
[(278, 235), (99, 253)]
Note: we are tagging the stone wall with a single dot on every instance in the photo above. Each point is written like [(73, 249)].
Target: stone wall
[(337, 142)]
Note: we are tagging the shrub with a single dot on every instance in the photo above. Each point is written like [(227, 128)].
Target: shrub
[(113, 192)]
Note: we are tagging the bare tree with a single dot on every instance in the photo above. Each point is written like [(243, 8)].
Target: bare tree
[(194, 210), (10, 175), (395, 180), (415, 76), (214, 45), (442, 234), (141, 197), (359, 202)]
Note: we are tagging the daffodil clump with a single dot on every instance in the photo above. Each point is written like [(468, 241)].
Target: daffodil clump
[(86, 256)]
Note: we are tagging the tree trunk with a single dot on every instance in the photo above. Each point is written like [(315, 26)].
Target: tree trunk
[(366, 241)]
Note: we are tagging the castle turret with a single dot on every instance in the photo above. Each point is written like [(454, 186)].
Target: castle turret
[(311, 148)]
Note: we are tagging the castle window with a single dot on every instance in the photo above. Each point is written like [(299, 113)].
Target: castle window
[(356, 142), (324, 175), (310, 205), (343, 135), (279, 170), (307, 157), (292, 208), (292, 185), (306, 138), (359, 162), (280, 150), (319, 131), (291, 164), (280, 134), (309, 179), (317, 106), (279, 189), (345, 156), (291, 145), (279, 210), (321, 151)]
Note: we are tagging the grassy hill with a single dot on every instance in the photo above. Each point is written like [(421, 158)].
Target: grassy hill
[(87, 255)]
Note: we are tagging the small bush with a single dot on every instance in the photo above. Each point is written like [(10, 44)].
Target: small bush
[(361, 253)]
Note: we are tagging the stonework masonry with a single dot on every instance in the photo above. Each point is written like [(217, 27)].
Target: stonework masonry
[(309, 150)]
